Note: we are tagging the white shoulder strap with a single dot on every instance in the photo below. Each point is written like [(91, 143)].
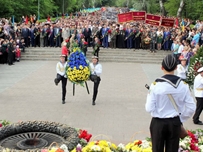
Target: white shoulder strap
[(173, 102)]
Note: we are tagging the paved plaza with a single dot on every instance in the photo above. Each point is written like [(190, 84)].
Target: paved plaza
[(28, 92)]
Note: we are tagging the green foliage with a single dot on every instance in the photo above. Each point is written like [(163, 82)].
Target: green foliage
[(192, 9), (153, 6), (4, 123), (172, 7), (26, 7)]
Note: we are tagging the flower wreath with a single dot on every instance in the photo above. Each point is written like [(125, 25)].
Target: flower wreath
[(78, 70), (196, 62)]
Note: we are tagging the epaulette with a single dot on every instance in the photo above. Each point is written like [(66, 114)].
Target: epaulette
[(154, 83)]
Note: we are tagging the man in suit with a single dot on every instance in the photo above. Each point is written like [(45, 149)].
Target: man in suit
[(87, 33), (57, 36), (25, 34), (104, 32)]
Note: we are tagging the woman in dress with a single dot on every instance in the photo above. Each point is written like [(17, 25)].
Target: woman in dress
[(159, 38)]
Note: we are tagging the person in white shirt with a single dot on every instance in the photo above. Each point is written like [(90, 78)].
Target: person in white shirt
[(96, 70), (166, 121), (180, 50), (198, 92), (182, 68), (61, 76)]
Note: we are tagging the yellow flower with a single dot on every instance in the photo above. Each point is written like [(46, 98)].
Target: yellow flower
[(80, 67), (74, 150), (103, 143)]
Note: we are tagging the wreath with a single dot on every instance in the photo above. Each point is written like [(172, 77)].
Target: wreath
[(78, 70), (196, 62)]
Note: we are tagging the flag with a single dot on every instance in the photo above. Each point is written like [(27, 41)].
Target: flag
[(26, 20), (48, 19), (177, 23), (183, 25)]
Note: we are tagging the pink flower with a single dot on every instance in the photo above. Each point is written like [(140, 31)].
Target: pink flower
[(1, 125)]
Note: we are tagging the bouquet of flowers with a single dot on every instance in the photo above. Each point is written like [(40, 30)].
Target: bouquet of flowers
[(139, 145), (57, 35), (98, 146), (196, 62), (107, 32), (114, 33), (193, 142), (67, 43), (85, 44), (147, 40), (96, 46), (131, 33), (45, 33), (84, 135), (78, 67), (37, 33)]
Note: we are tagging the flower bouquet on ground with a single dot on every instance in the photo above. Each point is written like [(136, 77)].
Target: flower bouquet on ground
[(193, 142), (138, 145), (97, 146), (196, 62), (78, 67)]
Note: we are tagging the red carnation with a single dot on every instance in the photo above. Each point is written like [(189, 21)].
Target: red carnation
[(84, 135), (109, 31), (88, 137), (67, 40), (85, 43)]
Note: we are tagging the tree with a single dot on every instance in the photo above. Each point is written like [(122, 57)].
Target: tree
[(180, 9), (162, 8)]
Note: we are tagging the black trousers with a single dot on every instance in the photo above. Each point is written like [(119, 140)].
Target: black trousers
[(165, 133), (64, 83), (96, 81), (199, 109)]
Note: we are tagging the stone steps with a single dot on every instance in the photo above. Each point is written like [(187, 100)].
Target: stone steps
[(105, 55)]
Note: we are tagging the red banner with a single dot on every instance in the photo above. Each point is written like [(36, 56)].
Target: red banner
[(152, 22), (152, 19), (139, 16), (167, 22), (125, 17)]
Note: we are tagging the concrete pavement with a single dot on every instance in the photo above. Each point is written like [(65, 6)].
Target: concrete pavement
[(27, 92)]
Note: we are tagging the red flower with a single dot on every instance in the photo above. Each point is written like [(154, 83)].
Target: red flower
[(138, 142), (85, 43), (109, 31), (67, 40), (84, 135), (88, 137), (1, 125), (82, 36)]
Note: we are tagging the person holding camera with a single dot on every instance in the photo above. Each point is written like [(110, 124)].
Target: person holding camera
[(96, 70)]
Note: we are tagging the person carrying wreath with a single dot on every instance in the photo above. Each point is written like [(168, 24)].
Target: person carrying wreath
[(165, 127), (61, 76), (96, 70)]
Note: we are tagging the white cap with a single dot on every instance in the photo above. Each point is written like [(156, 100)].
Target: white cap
[(200, 70)]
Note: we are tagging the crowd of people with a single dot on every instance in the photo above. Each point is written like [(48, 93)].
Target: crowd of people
[(88, 27)]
